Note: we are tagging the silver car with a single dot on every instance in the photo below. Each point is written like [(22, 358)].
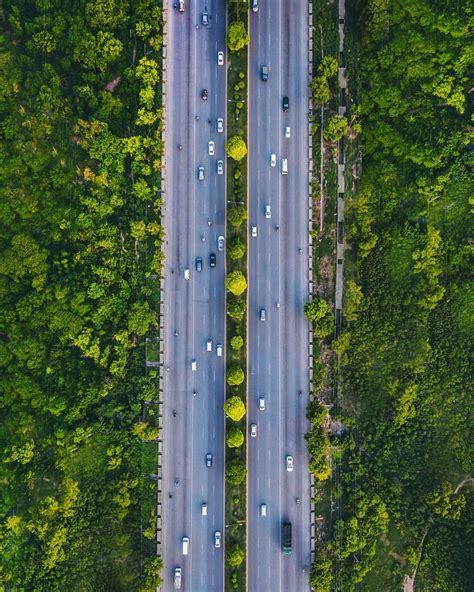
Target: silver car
[(289, 463), (220, 125), (220, 243), (220, 58), (268, 211), (220, 167), (201, 173), (217, 539)]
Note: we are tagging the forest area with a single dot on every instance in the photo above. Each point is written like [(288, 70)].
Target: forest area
[(406, 491), (80, 235)]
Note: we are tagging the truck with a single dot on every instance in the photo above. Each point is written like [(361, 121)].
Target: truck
[(177, 578), (286, 538)]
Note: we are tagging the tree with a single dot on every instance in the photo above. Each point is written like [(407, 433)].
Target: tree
[(328, 67), (319, 313), (237, 36), (236, 148), (236, 342), (353, 299), (336, 128), (235, 375), (237, 215), (234, 408), (319, 86), (235, 556), (234, 437), (236, 308), (236, 283), (236, 248), (321, 577), (235, 472)]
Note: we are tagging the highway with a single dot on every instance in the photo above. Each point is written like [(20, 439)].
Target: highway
[(278, 263), (194, 309)]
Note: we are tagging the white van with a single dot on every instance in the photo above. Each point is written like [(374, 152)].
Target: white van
[(219, 349), (261, 404), (284, 166), (194, 366), (263, 509), (186, 273), (185, 545), (204, 509), (209, 345)]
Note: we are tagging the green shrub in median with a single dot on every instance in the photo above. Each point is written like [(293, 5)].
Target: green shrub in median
[(235, 472), (236, 147), (235, 375), (237, 342), (236, 283), (236, 309), (234, 437), (336, 128), (319, 313), (236, 248), (235, 556), (234, 408), (237, 36), (237, 215)]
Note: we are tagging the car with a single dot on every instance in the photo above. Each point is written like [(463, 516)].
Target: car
[(220, 167), (220, 243), (212, 260), (273, 159), (263, 314), (180, 5), (204, 509), (220, 125), (268, 211), (198, 263), (284, 166), (285, 104), (209, 345), (177, 578), (201, 173), (219, 349), (264, 73), (253, 430), (185, 545), (194, 365), (263, 509), (211, 148), (204, 94), (186, 274), (220, 58), (217, 539), (208, 459), (289, 462), (261, 403), (255, 5), (254, 231), (205, 18), (287, 131)]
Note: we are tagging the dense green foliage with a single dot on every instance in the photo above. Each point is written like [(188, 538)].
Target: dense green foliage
[(236, 283), (236, 147), (405, 354), (237, 36), (234, 437), (79, 230)]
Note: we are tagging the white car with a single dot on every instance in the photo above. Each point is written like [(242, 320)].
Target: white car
[(220, 167), (220, 243), (220, 125), (261, 403), (211, 147), (273, 160), (253, 430), (254, 231), (220, 58), (209, 345), (268, 211), (186, 274), (263, 509), (204, 509), (217, 539), (219, 349), (287, 131), (201, 173), (194, 366), (289, 463)]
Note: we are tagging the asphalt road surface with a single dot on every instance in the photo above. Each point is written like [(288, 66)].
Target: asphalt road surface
[(278, 346), (194, 308)]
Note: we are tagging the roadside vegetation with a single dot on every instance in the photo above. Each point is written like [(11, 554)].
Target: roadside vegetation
[(402, 433), (80, 233), (236, 284)]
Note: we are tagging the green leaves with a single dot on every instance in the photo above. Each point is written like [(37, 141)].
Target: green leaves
[(237, 36)]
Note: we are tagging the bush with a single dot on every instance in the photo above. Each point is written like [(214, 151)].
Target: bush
[(235, 556), (236, 283), (236, 309), (328, 67), (235, 375), (237, 215), (234, 438), (236, 248), (237, 36), (319, 313), (234, 408), (320, 90), (236, 147), (235, 472), (241, 75), (336, 128), (236, 342)]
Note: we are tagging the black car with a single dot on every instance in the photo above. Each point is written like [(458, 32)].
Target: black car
[(285, 104), (204, 94), (212, 260), (198, 263)]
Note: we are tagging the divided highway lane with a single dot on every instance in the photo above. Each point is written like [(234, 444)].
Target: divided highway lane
[(194, 309), (278, 346)]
